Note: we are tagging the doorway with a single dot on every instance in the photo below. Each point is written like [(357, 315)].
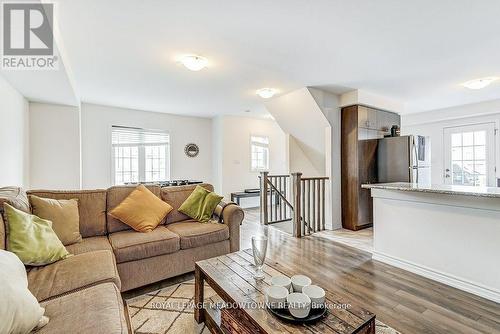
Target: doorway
[(469, 155)]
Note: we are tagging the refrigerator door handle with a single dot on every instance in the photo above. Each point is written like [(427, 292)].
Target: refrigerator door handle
[(415, 167)]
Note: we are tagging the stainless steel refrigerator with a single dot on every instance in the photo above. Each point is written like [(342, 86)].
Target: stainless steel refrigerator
[(404, 159)]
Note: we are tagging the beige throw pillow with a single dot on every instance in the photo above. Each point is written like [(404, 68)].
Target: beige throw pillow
[(63, 214)]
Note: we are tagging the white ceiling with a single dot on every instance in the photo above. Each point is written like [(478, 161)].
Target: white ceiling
[(122, 53)]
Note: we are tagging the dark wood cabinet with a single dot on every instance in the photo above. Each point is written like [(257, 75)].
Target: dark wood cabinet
[(361, 127)]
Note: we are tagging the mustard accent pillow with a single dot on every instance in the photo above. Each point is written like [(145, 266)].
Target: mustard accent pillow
[(141, 210), (32, 238), (62, 213), (200, 205)]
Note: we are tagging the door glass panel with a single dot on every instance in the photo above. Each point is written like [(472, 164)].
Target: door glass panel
[(456, 153), (480, 152), (468, 138), (480, 138), (468, 152), (469, 158), (480, 167), (456, 139)]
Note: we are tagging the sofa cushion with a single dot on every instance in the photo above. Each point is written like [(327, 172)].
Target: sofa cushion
[(131, 245), (175, 196), (91, 207), (63, 213), (89, 245), (17, 198), (3, 233), (32, 238), (96, 310), (115, 195), (141, 209), (195, 234), (200, 205), (73, 273)]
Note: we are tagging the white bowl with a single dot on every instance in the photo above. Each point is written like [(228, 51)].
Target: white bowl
[(299, 304), (281, 280), (276, 296), (316, 294), (300, 281)]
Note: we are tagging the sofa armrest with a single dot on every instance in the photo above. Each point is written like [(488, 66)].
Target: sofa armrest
[(231, 215)]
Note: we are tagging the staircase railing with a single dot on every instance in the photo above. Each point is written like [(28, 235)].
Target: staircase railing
[(294, 198), (275, 207)]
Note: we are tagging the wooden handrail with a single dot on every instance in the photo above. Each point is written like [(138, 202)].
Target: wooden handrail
[(316, 178)]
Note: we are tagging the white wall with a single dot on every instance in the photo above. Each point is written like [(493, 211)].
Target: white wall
[(433, 123), (54, 146), (299, 115), (329, 105), (14, 137), (365, 98), (298, 160), (233, 142), (96, 142)]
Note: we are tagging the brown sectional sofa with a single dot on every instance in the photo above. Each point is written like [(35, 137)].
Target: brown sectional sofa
[(82, 293)]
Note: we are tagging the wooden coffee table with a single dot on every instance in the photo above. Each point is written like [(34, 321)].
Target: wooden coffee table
[(231, 276)]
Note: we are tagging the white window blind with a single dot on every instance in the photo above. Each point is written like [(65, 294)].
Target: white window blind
[(140, 155), (259, 148)]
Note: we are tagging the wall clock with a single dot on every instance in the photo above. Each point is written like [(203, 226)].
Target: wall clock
[(191, 150)]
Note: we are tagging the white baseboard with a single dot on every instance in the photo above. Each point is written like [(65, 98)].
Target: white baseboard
[(441, 277)]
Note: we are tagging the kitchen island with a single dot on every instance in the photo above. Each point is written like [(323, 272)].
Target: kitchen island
[(450, 234)]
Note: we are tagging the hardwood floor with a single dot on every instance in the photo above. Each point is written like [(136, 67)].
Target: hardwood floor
[(405, 301), (361, 239)]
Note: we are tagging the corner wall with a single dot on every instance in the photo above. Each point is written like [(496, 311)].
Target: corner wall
[(55, 146), (14, 137)]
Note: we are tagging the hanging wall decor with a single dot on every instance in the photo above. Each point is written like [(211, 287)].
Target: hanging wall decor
[(191, 150)]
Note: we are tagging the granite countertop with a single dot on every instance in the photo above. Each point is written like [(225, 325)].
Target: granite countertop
[(437, 188)]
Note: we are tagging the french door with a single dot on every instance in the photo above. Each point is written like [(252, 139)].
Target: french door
[(469, 155)]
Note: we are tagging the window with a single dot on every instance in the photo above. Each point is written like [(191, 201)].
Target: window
[(259, 148), (139, 155), (469, 155)]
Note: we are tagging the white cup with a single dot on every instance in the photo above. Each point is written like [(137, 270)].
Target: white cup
[(300, 281), (281, 280), (299, 304), (316, 294), (276, 296)]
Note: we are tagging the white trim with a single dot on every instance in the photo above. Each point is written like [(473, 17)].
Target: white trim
[(439, 276)]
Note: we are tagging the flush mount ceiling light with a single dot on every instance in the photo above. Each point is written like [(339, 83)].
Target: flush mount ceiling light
[(194, 62), (266, 93), (479, 83)]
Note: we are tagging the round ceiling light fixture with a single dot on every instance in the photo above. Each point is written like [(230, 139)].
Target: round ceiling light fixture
[(194, 62), (479, 83), (266, 93)]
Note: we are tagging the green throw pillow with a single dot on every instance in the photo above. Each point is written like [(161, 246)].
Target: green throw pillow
[(200, 205), (32, 239)]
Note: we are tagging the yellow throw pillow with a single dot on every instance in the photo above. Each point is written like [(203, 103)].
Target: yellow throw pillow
[(62, 213), (141, 210)]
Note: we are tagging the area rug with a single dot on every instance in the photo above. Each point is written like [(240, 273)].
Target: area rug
[(170, 311)]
